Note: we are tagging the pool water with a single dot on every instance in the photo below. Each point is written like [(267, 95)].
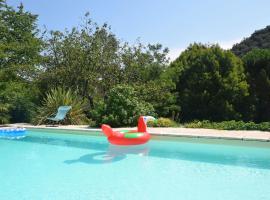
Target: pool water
[(57, 166)]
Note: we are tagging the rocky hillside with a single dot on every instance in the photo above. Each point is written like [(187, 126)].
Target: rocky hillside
[(259, 39)]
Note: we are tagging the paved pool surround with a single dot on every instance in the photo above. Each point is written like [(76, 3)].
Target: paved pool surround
[(174, 132)]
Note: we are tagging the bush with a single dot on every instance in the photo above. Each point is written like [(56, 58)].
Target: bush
[(229, 125), (97, 113), (162, 122), (123, 108), (4, 117), (17, 102), (59, 97)]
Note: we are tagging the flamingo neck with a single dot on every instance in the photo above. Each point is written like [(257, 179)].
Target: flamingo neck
[(142, 127)]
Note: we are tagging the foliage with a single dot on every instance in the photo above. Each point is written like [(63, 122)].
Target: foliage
[(21, 99), (122, 81), (229, 125), (60, 97), (144, 68), (20, 50), (159, 94), (123, 108), (258, 40), (4, 117), (83, 59), (19, 44), (143, 63), (97, 112), (210, 83), (162, 122), (257, 64)]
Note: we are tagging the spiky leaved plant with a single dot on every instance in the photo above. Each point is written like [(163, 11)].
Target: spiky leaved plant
[(61, 97)]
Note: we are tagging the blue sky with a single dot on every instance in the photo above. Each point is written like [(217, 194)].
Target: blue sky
[(173, 23)]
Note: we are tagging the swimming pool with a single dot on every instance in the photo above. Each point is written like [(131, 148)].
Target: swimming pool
[(56, 166)]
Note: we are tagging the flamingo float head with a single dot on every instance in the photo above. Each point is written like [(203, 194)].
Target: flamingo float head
[(142, 123)]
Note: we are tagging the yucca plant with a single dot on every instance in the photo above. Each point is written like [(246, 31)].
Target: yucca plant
[(61, 97)]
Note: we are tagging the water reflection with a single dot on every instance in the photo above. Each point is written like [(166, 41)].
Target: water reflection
[(113, 154)]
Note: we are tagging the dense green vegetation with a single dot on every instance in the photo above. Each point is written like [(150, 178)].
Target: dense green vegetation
[(210, 82), (58, 96), (258, 40), (229, 125), (162, 122), (257, 64), (121, 107), (20, 50), (108, 81)]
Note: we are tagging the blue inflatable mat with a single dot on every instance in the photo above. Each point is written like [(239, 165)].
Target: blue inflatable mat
[(12, 132)]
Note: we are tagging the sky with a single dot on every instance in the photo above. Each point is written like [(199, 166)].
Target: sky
[(173, 23)]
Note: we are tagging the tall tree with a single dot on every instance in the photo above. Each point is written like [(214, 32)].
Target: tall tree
[(20, 49), (85, 59), (257, 64), (145, 68), (210, 83), (141, 63)]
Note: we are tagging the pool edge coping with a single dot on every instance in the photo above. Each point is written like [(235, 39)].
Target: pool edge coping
[(161, 133)]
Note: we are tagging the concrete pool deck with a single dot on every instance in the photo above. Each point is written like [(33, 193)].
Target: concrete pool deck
[(175, 132)]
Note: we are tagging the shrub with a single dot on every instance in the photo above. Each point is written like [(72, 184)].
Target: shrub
[(17, 101), (162, 122), (123, 108), (229, 125), (59, 97), (97, 113), (4, 117)]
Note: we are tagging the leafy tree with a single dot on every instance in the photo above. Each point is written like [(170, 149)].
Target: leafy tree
[(92, 61), (83, 59), (144, 67), (20, 50), (210, 83), (141, 63), (159, 94), (257, 64)]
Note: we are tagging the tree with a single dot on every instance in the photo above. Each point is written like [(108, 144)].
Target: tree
[(83, 59), (210, 83), (159, 93), (257, 65), (144, 68), (141, 63), (20, 56)]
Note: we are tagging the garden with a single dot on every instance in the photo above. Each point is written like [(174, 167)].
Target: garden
[(106, 80)]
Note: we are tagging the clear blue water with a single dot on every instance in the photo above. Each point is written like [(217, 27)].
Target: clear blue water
[(57, 166)]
